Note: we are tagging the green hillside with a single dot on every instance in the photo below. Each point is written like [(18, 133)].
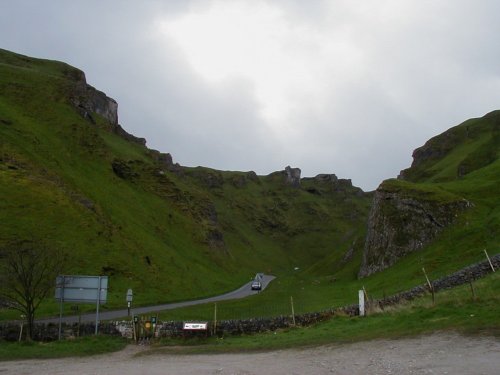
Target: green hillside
[(72, 177), (77, 181), (457, 152), (334, 280), (457, 172), (469, 167)]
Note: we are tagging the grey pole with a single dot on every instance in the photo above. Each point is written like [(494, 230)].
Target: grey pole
[(61, 297), (97, 307)]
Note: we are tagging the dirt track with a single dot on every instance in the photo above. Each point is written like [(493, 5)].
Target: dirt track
[(434, 354)]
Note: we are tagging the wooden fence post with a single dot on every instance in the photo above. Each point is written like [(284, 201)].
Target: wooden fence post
[(367, 302), (472, 287), (431, 288), (489, 260)]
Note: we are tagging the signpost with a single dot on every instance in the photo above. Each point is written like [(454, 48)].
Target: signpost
[(21, 330), (77, 309), (129, 298), (136, 320), (82, 289)]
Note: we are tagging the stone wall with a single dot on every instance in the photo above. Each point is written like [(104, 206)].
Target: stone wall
[(472, 272)]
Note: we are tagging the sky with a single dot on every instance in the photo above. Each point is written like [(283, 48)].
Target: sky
[(349, 87)]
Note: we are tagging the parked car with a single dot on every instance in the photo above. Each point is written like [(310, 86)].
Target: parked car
[(256, 285)]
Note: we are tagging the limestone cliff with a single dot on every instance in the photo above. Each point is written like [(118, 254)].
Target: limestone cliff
[(89, 101), (292, 176), (407, 214), (404, 218)]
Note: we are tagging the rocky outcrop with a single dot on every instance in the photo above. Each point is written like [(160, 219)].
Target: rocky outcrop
[(208, 178), (215, 239), (98, 102), (123, 169), (292, 176), (165, 161), (403, 219), (482, 137), (242, 180), (335, 184), (89, 101), (118, 130)]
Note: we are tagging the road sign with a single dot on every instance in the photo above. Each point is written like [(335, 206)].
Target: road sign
[(195, 326), (130, 295), (84, 289)]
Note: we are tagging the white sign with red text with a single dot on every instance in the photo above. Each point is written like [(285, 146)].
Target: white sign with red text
[(195, 326)]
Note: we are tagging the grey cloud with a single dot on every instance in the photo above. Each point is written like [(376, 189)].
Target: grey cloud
[(422, 71)]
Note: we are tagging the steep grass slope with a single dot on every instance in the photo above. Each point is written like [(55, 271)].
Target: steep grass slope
[(75, 179)]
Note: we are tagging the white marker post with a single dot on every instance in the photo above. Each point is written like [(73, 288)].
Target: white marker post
[(361, 294)]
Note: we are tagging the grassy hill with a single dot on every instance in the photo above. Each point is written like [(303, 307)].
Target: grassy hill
[(452, 188), (469, 167), (75, 180), (72, 177), (334, 282)]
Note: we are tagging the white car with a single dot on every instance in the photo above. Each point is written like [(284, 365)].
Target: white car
[(256, 285)]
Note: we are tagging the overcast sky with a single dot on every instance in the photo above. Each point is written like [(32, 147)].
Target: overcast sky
[(341, 86)]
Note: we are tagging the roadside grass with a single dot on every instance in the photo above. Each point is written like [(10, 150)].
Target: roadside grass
[(454, 310), (84, 346), (316, 293)]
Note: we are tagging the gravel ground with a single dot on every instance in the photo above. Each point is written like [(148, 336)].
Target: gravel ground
[(432, 354)]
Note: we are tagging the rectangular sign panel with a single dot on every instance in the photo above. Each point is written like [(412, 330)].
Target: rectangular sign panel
[(85, 289), (195, 326), (86, 282)]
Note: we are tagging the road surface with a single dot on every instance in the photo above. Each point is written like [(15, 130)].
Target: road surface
[(439, 353), (242, 292)]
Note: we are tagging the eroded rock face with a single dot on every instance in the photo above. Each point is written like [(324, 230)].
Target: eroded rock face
[(98, 102), (292, 176), (403, 221), (118, 130), (89, 101), (209, 178)]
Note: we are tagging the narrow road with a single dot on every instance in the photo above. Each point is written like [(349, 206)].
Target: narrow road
[(242, 292)]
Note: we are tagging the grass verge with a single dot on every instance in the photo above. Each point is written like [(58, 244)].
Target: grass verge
[(85, 346), (454, 310)]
